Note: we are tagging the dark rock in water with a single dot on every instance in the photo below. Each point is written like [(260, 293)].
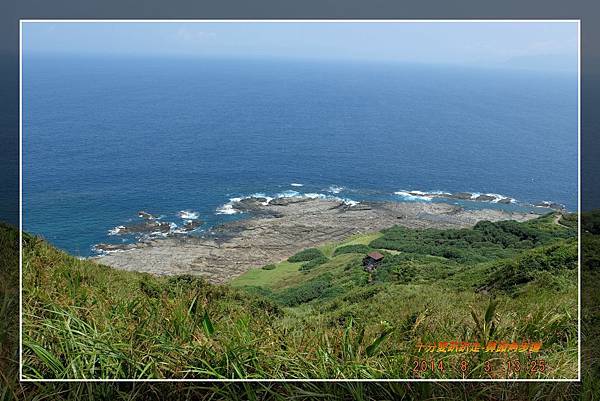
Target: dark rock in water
[(255, 200), (146, 227), (550, 205), (485, 198), (113, 247), (191, 225), (250, 204), (288, 201), (145, 215), (460, 195), (257, 206), (505, 201)]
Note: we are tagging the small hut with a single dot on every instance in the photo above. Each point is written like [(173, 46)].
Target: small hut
[(371, 261)]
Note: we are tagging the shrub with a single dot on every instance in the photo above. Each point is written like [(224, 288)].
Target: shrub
[(306, 255), (485, 241), (569, 220), (305, 292), (359, 248), (311, 264), (269, 267), (557, 258), (361, 294)]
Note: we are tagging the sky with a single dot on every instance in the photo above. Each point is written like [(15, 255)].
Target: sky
[(525, 45)]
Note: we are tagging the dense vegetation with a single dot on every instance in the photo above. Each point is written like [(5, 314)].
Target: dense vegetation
[(318, 314), (306, 255), (486, 241)]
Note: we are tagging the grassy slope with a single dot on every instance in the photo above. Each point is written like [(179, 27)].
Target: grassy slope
[(9, 319), (324, 322), (587, 390)]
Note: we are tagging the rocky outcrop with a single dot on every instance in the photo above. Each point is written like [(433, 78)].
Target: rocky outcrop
[(550, 205), (147, 226), (145, 215), (233, 248)]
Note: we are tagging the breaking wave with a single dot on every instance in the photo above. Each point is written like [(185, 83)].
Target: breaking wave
[(116, 230), (334, 189), (412, 196), (188, 215), (230, 207), (426, 196)]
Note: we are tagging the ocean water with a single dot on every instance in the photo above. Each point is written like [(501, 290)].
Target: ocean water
[(106, 137)]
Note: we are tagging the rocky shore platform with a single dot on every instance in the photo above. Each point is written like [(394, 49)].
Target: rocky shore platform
[(276, 230)]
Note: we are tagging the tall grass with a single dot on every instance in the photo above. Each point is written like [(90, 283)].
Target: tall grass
[(587, 390), (84, 320)]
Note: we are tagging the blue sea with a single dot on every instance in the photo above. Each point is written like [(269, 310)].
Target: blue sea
[(104, 138)]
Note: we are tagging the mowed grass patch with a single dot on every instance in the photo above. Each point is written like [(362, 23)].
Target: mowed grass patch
[(287, 273), (362, 239), (290, 274), (268, 278), (357, 239), (334, 265)]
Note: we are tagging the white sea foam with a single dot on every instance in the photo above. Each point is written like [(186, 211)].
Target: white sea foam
[(116, 230), (313, 195), (104, 252), (413, 196), (227, 209), (295, 184), (416, 195), (188, 214), (496, 197), (499, 197), (268, 199), (334, 189), (349, 202), (287, 194), (255, 195)]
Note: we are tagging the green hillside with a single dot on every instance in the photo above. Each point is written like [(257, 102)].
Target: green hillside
[(318, 314)]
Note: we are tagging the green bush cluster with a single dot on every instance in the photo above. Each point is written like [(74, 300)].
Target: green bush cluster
[(485, 241), (306, 255), (305, 292), (569, 220), (311, 264), (508, 275), (358, 248)]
